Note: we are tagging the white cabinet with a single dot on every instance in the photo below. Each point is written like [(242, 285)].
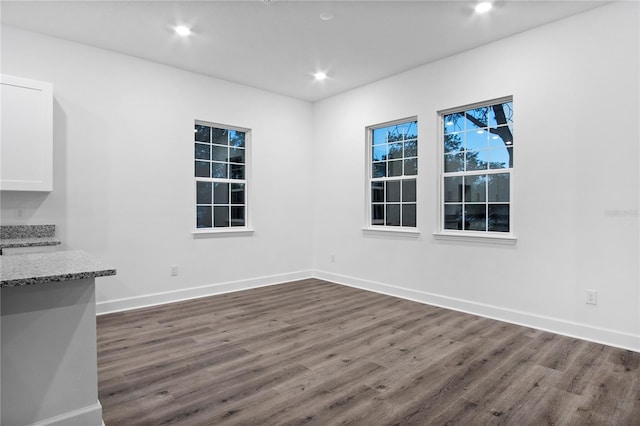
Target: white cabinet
[(26, 144)]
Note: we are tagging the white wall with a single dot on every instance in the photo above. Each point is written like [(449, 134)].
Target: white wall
[(123, 188), (575, 90), (123, 172)]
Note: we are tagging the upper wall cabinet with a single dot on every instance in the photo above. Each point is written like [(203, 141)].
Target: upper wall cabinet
[(26, 146)]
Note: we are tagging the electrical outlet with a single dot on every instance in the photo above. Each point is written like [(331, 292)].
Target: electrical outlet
[(19, 213), (174, 270), (332, 258), (592, 297)]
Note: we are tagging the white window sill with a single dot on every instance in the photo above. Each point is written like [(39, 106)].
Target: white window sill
[(476, 237), (392, 231), (223, 232)]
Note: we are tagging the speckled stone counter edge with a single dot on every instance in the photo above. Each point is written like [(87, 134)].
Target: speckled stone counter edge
[(26, 231), (40, 268), (19, 282), (28, 242)]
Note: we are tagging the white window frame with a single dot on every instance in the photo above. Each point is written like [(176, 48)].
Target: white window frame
[(368, 228), (468, 235), (231, 230)]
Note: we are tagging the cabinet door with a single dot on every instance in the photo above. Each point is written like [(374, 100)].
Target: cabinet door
[(26, 146)]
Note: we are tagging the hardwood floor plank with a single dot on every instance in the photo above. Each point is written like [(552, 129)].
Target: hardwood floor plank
[(313, 352)]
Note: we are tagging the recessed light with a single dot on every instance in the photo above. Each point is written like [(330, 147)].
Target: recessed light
[(320, 75), (182, 30), (479, 132), (483, 7), (326, 16), (449, 123)]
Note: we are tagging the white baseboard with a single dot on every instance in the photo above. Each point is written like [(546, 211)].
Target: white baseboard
[(555, 325), (146, 300), (90, 415)]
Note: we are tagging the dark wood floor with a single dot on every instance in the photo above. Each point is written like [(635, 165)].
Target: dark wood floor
[(312, 352)]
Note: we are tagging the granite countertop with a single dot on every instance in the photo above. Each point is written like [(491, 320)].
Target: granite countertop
[(27, 236), (39, 268), (28, 242)]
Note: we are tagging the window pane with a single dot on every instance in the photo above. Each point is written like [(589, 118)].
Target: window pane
[(395, 150), (236, 155), (219, 136), (237, 171), (220, 193), (411, 130), (409, 191), (475, 217), (409, 215), (237, 216), (219, 170), (204, 191), (499, 187), (393, 215), (202, 133), (377, 192), (379, 170), (411, 167), (499, 158), (476, 139), (393, 191), (501, 114), (220, 216), (395, 168), (453, 143), (477, 160), (203, 152), (411, 149), (401, 130), (377, 214), (499, 217), (478, 117), (453, 189), (379, 153), (236, 138), (453, 216), (395, 133), (202, 169), (501, 137), (453, 123), (453, 162), (475, 188), (203, 217), (380, 136), (237, 193), (220, 153)]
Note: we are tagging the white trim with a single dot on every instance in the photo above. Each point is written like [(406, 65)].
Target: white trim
[(479, 237), (221, 232), (154, 299), (397, 231), (89, 415), (573, 329)]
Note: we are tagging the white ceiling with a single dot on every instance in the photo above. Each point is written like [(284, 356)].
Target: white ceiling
[(278, 45)]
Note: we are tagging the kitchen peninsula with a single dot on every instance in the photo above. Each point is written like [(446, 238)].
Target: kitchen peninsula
[(48, 335)]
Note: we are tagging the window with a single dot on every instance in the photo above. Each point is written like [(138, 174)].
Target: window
[(477, 146), (393, 170), (220, 176)]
